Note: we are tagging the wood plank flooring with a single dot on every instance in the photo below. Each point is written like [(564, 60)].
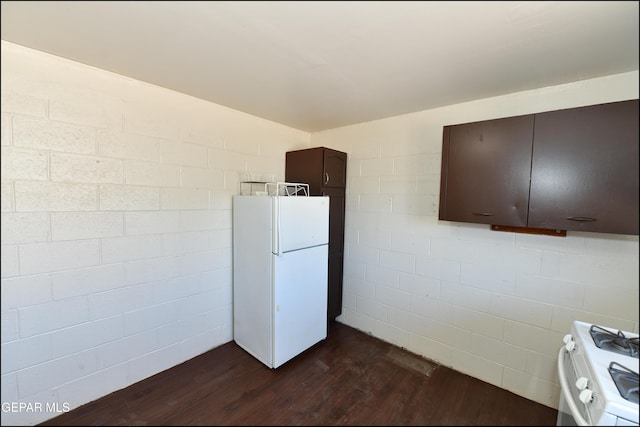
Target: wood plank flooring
[(350, 378)]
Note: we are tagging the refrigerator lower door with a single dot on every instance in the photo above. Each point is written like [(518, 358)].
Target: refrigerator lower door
[(300, 302)]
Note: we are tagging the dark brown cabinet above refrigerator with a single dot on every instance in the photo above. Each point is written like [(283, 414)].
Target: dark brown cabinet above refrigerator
[(319, 167), (325, 170), (573, 169)]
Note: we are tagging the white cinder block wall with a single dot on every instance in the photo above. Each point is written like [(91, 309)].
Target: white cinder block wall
[(116, 228), (493, 305)]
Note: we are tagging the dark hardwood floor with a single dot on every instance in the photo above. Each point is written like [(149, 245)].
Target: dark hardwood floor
[(350, 378)]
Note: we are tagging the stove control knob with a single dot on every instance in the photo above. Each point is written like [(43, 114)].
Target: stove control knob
[(569, 343), (582, 383), (586, 396)]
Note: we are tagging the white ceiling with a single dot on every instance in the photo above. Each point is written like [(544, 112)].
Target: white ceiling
[(318, 65)]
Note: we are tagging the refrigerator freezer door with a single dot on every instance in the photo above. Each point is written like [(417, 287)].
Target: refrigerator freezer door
[(301, 222), (300, 302)]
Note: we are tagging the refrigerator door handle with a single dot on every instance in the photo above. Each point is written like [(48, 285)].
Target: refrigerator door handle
[(275, 227)]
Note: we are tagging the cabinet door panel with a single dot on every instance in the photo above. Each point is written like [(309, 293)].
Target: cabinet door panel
[(335, 169), (305, 166), (486, 171), (336, 218), (336, 249), (585, 169), (334, 291)]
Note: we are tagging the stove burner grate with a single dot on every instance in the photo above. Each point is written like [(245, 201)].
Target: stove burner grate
[(615, 342), (625, 380)]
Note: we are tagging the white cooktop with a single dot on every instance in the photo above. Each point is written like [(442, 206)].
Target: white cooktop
[(598, 361)]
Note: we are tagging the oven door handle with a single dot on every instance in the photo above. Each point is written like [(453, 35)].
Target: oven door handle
[(564, 389)]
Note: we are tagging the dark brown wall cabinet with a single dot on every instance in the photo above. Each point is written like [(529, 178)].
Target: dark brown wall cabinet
[(325, 170), (573, 169)]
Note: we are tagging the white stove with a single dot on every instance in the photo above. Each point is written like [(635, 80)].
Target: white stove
[(598, 369)]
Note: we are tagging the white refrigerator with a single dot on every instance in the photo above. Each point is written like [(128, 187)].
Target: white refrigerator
[(280, 250)]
